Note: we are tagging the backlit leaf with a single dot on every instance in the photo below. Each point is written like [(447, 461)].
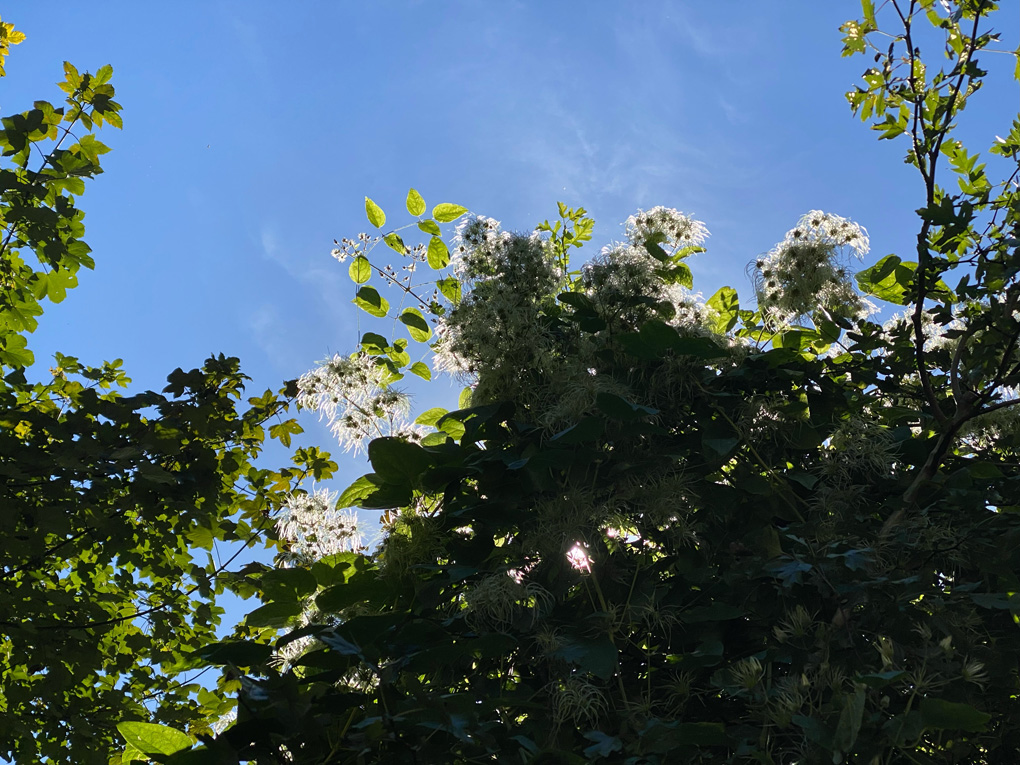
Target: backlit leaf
[(446, 212), (375, 214), (415, 203)]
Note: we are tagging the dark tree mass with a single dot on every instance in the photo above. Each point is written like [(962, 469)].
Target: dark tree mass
[(656, 528)]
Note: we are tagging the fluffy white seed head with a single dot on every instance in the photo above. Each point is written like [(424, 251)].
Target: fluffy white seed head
[(353, 394), (807, 273), (315, 527), (672, 227)]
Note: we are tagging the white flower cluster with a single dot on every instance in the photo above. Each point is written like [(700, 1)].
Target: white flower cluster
[(351, 248), (936, 336), (316, 528), (353, 393), (485, 254), (675, 229), (476, 240), (625, 281), (995, 427), (495, 332), (806, 274), (860, 450)]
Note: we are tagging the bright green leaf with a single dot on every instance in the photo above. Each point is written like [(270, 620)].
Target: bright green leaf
[(723, 306), (438, 254), (416, 324), (431, 416), (369, 300), (360, 270), (395, 243), (429, 226), (446, 212), (375, 214), (154, 740), (450, 288), (421, 369), (415, 203)]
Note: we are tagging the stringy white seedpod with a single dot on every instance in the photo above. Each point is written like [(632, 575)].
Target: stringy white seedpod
[(476, 240), (224, 721), (578, 701), (624, 284), (859, 450), (353, 394), (807, 272), (995, 427), (498, 600), (936, 336), (620, 273), (674, 227), (494, 335), (691, 313), (316, 528)]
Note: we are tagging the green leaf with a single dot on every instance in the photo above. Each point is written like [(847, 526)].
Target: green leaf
[(416, 324), (450, 287), (431, 416), (604, 745), (361, 489), (949, 715), (619, 408), (395, 243), (370, 301), (850, 719), (102, 75), (288, 583), (415, 203), (429, 226), (375, 214), (446, 212), (14, 352), (585, 430), (887, 279), (239, 653), (374, 344), (397, 461), (276, 614), (131, 754), (724, 307), (678, 273), (282, 431), (71, 73), (881, 679), (360, 269), (438, 254), (154, 740), (421, 369), (595, 655), (365, 585), (464, 400), (652, 246)]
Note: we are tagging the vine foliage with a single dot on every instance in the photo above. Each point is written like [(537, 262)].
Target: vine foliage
[(660, 529)]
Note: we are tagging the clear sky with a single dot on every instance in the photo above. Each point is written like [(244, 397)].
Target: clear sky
[(253, 131)]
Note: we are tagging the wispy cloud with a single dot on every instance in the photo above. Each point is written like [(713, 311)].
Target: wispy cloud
[(273, 335)]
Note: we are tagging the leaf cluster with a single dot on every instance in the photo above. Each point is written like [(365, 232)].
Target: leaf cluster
[(711, 541), (115, 504)]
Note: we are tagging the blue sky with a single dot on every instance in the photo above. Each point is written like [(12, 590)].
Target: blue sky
[(252, 134)]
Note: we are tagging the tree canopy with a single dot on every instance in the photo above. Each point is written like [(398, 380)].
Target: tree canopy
[(656, 528), (112, 503), (662, 529)]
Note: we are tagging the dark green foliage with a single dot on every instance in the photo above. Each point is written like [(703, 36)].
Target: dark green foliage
[(111, 503), (714, 538)]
